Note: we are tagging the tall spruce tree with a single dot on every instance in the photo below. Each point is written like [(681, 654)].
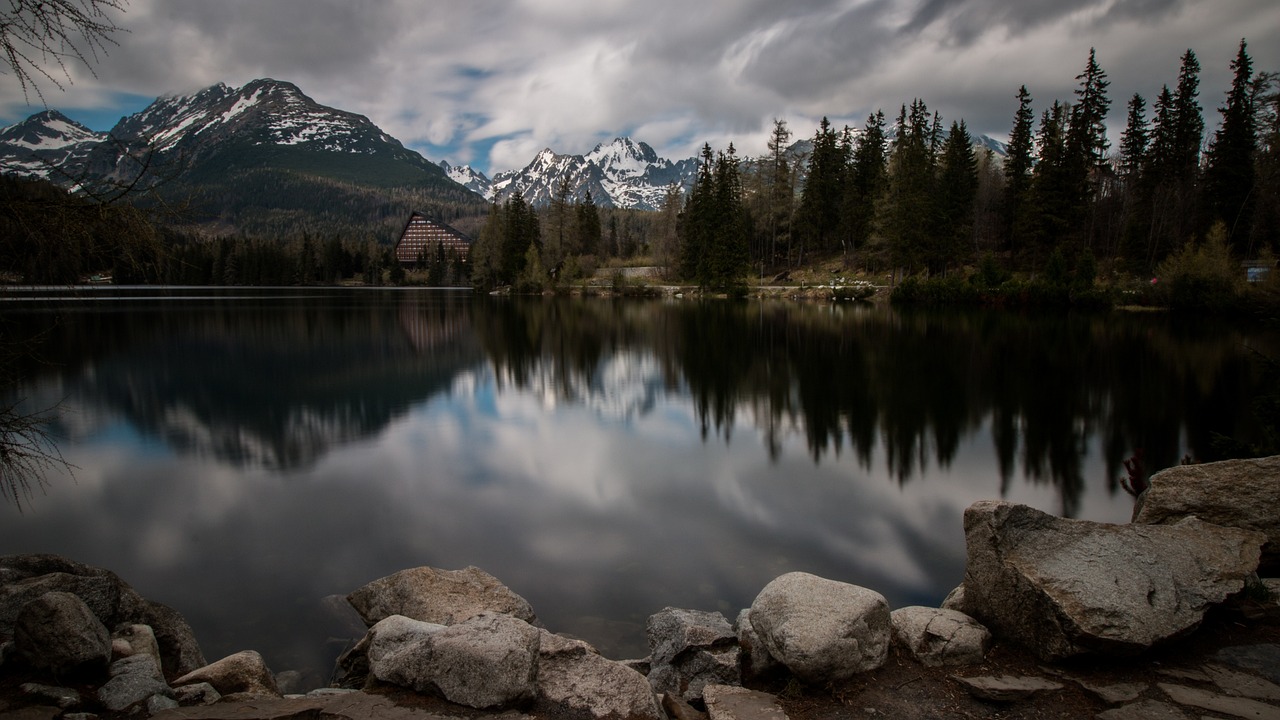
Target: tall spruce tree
[(953, 205), (1053, 190), (1134, 140), (908, 207), (1229, 176), (779, 187), (867, 178), (1086, 145), (1017, 172), (699, 219), (819, 212)]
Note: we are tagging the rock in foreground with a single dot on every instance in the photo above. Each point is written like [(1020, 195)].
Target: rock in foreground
[(1233, 493), (822, 630), (444, 597), (1064, 588)]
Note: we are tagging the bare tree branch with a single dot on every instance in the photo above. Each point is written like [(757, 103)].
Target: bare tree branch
[(38, 38)]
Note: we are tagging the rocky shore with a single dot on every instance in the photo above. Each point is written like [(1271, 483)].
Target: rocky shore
[(1174, 615)]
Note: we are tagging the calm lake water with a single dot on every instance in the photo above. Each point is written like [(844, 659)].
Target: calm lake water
[(242, 454)]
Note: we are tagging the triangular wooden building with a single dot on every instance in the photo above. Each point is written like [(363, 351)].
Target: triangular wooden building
[(422, 234)]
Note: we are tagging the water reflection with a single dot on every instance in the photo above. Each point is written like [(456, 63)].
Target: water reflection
[(244, 455)]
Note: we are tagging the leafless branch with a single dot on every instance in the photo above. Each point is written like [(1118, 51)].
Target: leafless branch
[(38, 38)]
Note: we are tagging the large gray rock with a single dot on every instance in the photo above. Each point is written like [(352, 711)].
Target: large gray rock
[(133, 681), (822, 630), (690, 649), (1233, 493), (244, 672), (58, 633), (756, 660), (938, 637), (487, 661), (26, 577), (1065, 588), (444, 597), (574, 679)]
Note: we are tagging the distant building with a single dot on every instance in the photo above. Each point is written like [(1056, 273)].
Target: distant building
[(1258, 271), (421, 236)]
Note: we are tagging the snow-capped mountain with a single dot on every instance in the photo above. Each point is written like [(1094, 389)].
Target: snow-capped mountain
[(44, 142), (623, 174), (265, 123), (468, 177)]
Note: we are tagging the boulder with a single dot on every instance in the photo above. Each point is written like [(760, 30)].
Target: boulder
[(1233, 493), (573, 678), (26, 577), (487, 661), (244, 672), (937, 637), (756, 660), (955, 600), (57, 632), (1065, 588), (822, 630), (444, 597), (135, 639), (134, 680), (690, 649)]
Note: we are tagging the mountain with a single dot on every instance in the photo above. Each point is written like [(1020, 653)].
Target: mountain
[(263, 159), (468, 177), (621, 174), (43, 143)]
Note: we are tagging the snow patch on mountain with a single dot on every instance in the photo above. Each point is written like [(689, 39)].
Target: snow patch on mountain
[(44, 142), (622, 173)]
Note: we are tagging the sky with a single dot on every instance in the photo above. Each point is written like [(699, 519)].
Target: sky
[(490, 83)]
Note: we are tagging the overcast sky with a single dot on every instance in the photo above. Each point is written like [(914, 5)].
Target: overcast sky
[(490, 83)]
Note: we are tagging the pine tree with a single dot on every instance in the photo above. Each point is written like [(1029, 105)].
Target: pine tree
[(699, 218), (1052, 187), (1086, 145), (1229, 177), (1133, 141), (819, 213), (953, 206), (779, 185), (1017, 172), (587, 226), (908, 209), (868, 177)]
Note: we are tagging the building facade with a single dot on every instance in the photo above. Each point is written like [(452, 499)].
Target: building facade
[(421, 235)]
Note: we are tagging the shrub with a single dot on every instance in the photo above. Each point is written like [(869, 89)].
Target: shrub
[(1201, 277)]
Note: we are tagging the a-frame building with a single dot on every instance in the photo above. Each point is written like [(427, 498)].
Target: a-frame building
[(421, 235)]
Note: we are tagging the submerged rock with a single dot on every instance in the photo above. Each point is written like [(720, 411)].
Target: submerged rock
[(1065, 587)]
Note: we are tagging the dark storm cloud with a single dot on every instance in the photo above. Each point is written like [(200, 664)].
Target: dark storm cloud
[(493, 82)]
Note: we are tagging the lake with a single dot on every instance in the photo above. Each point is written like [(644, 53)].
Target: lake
[(244, 454)]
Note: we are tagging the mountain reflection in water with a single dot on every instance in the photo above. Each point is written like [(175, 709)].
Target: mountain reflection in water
[(245, 453)]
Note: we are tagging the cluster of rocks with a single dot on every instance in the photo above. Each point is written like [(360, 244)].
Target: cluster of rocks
[(1060, 588)]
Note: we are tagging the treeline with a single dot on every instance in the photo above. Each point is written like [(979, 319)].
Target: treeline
[(532, 249), (923, 201)]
